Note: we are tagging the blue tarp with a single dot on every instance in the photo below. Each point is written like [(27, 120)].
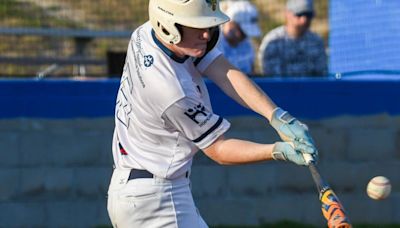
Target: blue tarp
[(304, 98)]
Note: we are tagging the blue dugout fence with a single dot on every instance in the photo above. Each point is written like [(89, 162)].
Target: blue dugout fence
[(364, 36), (305, 98)]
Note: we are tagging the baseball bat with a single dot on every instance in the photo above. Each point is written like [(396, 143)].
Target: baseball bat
[(332, 209)]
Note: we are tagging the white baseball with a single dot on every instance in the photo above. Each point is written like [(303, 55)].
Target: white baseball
[(379, 188)]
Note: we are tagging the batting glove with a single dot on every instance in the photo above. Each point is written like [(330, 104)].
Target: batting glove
[(292, 130), (285, 151)]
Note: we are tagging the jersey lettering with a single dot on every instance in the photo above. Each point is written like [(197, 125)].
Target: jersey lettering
[(137, 51), (193, 114), (124, 108)]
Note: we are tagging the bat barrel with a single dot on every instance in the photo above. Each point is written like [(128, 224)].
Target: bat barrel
[(344, 225), (333, 210)]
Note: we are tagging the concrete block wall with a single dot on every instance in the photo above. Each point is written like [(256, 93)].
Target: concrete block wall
[(55, 173), (353, 149)]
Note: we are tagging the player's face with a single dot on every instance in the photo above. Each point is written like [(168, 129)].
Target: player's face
[(193, 42)]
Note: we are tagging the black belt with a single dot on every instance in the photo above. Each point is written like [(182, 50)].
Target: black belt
[(140, 173)]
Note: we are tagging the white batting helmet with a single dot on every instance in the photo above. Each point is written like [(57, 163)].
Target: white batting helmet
[(166, 14)]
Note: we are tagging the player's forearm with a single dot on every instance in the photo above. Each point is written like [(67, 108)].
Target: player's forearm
[(239, 87), (235, 151), (251, 94)]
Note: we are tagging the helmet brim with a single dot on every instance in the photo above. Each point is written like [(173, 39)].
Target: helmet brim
[(204, 21)]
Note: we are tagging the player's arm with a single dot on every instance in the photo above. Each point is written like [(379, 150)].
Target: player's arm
[(240, 87), (191, 118), (236, 151)]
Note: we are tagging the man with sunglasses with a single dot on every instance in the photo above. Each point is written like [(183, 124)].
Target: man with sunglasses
[(292, 50)]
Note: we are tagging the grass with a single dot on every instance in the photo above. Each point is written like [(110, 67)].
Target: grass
[(18, 14), (290, 224), (283, 224)]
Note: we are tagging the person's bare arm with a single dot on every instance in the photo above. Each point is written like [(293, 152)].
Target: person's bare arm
[(238, 86), (241, 88), (236, 151)]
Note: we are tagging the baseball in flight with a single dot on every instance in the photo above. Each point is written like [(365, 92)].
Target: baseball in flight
[(379, 188)]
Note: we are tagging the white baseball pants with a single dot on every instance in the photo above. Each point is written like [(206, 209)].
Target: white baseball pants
[(151, 203)]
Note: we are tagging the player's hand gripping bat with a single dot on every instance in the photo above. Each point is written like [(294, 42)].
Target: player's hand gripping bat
[(332, 209)]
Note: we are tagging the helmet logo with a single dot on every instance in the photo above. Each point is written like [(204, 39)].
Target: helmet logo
[(213, 4)]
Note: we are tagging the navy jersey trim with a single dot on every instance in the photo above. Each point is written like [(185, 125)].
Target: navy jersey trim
[(215, 126), (166, 50)]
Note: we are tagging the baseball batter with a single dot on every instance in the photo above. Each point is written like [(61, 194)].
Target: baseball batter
[(163, 116)]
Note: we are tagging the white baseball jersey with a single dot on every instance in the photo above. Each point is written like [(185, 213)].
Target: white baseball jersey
[(163, 112)]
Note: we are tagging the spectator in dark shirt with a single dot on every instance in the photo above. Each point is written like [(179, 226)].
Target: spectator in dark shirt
[(292, 49)]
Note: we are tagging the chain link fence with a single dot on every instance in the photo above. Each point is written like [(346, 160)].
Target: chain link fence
[(63, 38)]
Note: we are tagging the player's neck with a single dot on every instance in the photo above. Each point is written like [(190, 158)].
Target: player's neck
[(173, 48)]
